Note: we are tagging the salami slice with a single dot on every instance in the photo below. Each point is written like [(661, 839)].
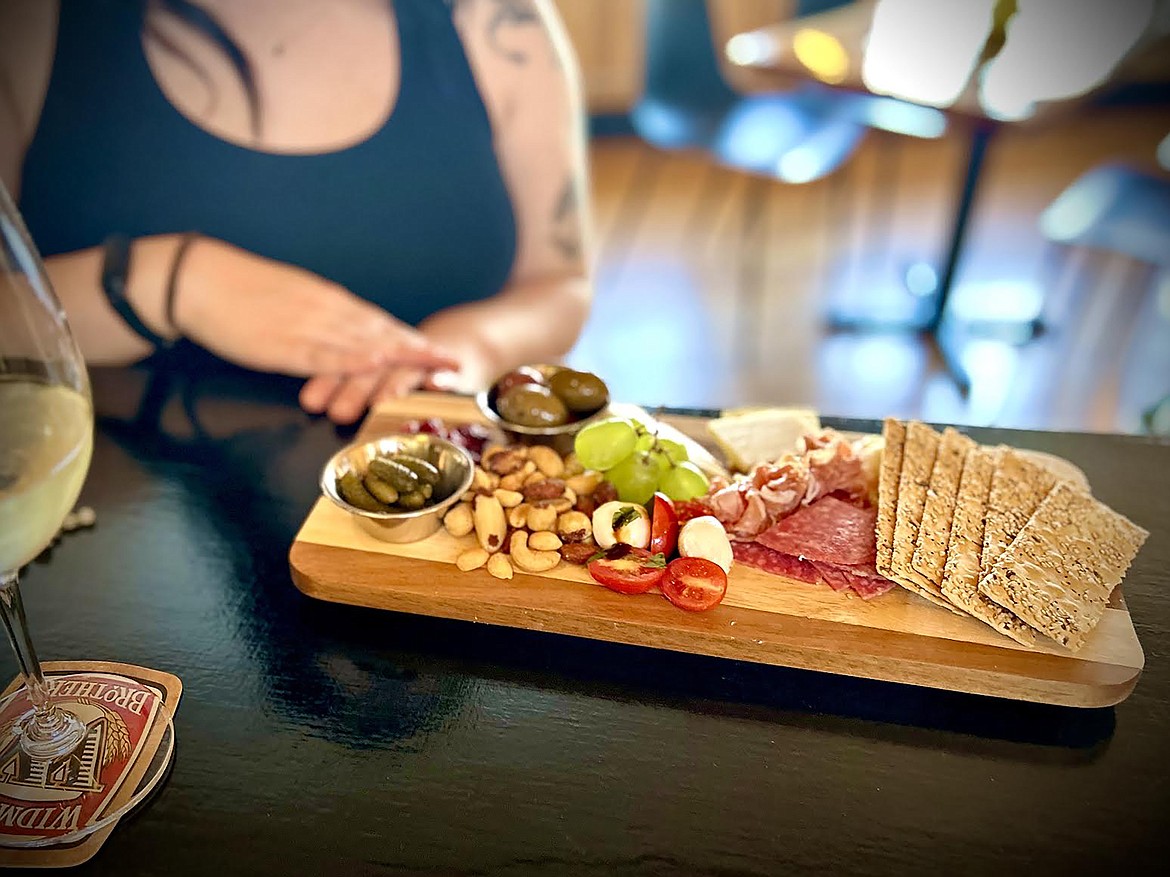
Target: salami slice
[(868, 587), (756, 555), (828, 530), (862, 579)]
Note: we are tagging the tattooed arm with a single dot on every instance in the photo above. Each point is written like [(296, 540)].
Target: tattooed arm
[(528, 76)]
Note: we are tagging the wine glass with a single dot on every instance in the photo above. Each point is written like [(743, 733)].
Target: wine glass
[(46, 438)]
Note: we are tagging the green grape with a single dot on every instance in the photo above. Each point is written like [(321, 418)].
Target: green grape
[(675, 451), (660, 459), (635, 477), (684, 481), (605, 443), (645, 442)]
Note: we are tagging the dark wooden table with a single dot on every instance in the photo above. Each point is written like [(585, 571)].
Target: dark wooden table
[(323, 739)]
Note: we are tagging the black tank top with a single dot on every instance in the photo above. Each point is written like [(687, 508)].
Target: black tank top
[(415, 218)]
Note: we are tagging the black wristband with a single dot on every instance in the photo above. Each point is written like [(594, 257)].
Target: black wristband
[(115, 270), (173, 279)]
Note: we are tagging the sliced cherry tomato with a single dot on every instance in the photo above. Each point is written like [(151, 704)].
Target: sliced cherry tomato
[(663, 526), (694, 583), (628, 570)]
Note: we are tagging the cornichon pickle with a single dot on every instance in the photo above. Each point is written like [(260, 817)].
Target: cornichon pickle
[(401, 478), (428, 472), (383, 491), (412, 500), (354, 492)]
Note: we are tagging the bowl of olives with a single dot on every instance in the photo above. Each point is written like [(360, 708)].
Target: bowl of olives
[(544, 402), (398, 487)]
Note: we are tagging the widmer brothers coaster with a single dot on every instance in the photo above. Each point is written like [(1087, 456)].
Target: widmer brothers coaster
[(58, 812)]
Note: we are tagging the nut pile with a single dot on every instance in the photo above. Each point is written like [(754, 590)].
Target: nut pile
[(529, 508)]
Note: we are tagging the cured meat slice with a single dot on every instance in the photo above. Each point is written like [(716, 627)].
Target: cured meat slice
[(828, 530), (833, 465), (862, 579), (868, 587), (756, 555)]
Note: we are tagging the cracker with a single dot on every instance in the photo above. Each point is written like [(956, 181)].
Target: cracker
[(1059, 571), (894, 436), (918, 455), (930, 550), (1017, 489), (960, 579)]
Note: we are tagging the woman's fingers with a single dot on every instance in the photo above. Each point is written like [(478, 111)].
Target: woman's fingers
[(353, 396), (317, 392), (401, 381)]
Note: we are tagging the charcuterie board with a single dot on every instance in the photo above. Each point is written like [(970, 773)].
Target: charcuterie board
[(764, 618)]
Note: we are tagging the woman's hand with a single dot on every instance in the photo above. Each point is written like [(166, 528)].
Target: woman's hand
[(345, 398), (274, 317)]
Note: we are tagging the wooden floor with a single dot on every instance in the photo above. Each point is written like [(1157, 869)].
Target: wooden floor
[(712, 284)]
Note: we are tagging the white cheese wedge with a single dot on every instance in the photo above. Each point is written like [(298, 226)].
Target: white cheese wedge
[(758, 435), (705, 537)]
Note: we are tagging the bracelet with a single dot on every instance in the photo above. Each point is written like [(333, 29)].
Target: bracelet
[(115, 269), (173, 280)]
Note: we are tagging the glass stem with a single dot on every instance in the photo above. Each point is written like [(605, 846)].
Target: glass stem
[(12, 608)]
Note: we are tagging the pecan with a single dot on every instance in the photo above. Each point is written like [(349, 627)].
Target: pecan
[(505, 462), (578, 552), (549, 488), (604, 492)]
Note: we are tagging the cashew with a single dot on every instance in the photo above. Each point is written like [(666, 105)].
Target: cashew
[(499, 566), (572, 466), (527, 559), (541, 518), (585, 483), (518, 516), (547, 460), (509, 499), (544, 540), (537, 477), (490, 524), (574, 526), (472, 558), (459, 521)]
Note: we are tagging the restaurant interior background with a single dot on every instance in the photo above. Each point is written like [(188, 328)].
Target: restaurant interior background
[(772, 228)]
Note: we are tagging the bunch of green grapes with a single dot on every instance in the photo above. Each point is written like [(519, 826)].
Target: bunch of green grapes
[(637, 462)]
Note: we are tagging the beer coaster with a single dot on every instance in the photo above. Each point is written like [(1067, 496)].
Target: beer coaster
[(55, 813)]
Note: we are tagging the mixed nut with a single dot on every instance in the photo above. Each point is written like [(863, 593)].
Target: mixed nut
[(528, 508)]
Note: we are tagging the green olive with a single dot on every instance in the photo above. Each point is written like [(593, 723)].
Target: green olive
[(582, 392), (532, 405)]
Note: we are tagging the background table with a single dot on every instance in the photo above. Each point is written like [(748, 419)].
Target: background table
[(317, 738)]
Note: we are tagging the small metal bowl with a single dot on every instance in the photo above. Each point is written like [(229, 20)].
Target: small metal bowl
[(453, 462), (560, 437)]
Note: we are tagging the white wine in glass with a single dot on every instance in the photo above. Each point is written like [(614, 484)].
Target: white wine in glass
[(46, 438)]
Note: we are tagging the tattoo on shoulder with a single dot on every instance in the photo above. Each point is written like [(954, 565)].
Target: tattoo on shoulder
[(507, 14), (566, 233)]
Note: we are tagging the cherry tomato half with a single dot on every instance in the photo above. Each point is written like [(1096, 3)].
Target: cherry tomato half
[(663, 526), (628, 570), (694, 583)]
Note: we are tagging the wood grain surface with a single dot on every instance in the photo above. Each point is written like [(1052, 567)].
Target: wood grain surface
[(764, 618)]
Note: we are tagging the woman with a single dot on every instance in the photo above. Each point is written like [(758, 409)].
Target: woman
[(375, 195)]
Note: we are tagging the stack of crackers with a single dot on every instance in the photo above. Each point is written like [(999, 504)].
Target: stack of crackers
[(990, 533)]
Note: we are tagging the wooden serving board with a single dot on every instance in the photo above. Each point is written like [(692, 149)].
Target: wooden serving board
[(897, 637)]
